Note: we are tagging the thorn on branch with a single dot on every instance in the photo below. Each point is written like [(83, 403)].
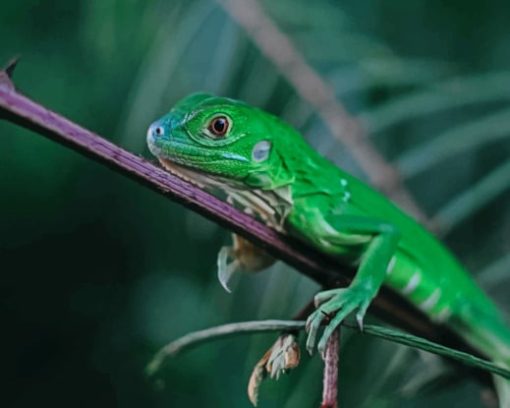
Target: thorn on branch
[(11, 65), (7, 72)]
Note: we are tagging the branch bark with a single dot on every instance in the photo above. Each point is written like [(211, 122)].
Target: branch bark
[(18, 109), (330, 375)]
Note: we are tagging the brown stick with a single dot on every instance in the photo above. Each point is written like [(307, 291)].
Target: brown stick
[(330, 380)]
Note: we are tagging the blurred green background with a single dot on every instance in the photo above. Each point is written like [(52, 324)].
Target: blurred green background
[(98, 272)]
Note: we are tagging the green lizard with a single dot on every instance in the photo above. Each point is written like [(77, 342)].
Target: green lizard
[(265, 166)]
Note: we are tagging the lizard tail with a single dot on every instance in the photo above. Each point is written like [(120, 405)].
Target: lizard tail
[(499, 352), (492, 337), (502, 385), (501, 357), (503, 388)]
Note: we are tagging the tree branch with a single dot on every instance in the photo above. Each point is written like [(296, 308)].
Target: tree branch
[(326, 270), (330, 375)]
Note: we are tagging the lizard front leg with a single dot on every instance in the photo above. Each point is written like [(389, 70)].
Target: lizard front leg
[(241, 256), (379, 242)]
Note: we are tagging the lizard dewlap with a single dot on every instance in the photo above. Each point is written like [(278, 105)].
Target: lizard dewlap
[(265, 166)]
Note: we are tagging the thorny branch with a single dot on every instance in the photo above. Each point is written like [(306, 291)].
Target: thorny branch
[(18, 109), (310, 86)]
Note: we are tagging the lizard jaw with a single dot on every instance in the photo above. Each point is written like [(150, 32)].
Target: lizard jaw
[(272, 206), (196, 178)]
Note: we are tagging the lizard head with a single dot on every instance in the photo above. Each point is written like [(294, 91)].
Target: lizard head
[(206, 137)]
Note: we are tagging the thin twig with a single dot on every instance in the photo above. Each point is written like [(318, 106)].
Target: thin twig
[(227, 330), (21, 110), (191, 340), (311, 87), (330, 380)]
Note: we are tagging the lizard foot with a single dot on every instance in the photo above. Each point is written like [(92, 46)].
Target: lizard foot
[(241, 256), (335, 305)]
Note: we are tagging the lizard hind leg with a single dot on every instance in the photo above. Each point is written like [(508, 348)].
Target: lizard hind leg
[(242, 256), (503, 390)]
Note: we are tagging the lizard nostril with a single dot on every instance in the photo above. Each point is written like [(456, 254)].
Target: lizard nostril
[(158, 131)]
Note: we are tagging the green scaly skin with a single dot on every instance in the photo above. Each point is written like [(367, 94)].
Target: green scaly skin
[(264, 165)]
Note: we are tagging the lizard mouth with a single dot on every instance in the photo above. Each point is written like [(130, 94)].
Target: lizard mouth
[(187, 174), (195, 177)]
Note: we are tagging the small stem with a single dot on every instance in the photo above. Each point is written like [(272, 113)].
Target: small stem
[(330, 382), (227, 330), (258, 326)]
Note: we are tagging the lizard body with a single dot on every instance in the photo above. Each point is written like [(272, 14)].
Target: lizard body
[(265, 166)]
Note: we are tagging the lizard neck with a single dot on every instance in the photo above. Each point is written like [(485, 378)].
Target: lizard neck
[(270, 206)]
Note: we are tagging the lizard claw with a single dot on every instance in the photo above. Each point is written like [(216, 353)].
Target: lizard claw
[(325, 295), (313, 323), (360, 315), (226, 269), (359, 320), (243, 256), (337, 304)]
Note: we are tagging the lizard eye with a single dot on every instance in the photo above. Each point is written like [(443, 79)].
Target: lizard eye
[(219, 126)]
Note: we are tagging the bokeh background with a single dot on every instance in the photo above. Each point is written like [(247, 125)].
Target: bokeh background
[(97, 272)]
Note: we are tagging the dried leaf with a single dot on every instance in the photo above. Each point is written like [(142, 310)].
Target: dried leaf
[(258, 374), (283, 355)]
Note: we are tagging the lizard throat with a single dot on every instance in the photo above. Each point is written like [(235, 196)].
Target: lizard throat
[(195, 177), (270, 206)]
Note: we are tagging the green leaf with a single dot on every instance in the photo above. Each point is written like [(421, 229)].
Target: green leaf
[(467, 136), (496, 273), (476, 197), (452, 93), (158, 71)]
